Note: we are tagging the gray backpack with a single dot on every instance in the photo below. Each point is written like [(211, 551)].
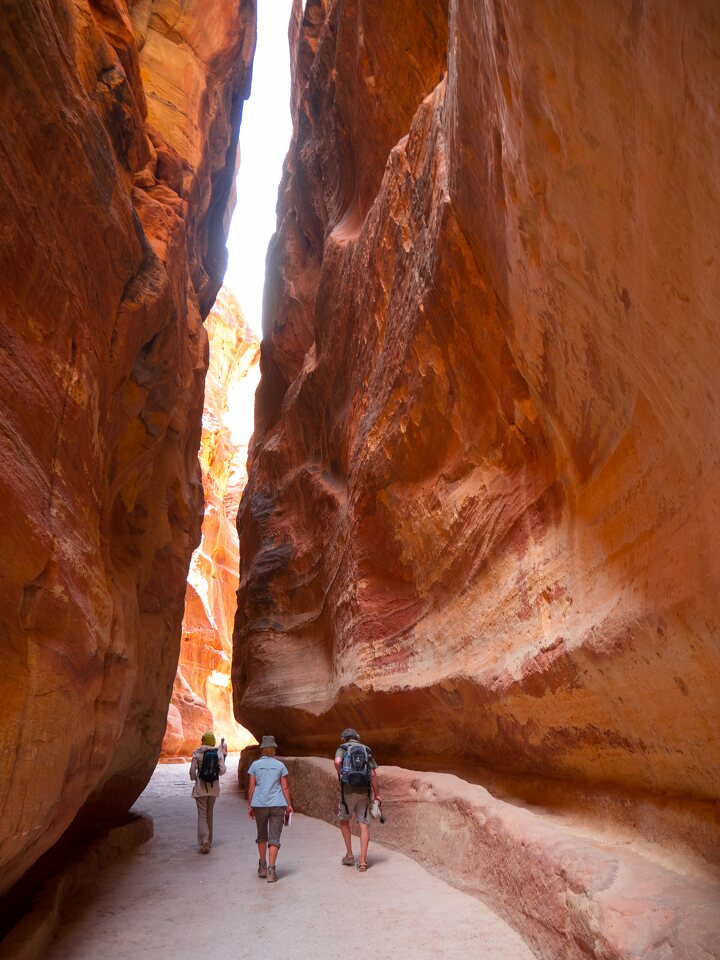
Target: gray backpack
[(355, 769)]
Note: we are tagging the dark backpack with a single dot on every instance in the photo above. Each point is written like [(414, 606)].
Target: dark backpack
[(209, 767), (355, 769)]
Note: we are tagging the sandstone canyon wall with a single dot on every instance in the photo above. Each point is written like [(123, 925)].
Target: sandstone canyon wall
[(202, 691), (483, 489), (118, 135)]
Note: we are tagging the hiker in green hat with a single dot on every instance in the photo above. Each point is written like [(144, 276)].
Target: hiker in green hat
[(206, 768), (269, 805)]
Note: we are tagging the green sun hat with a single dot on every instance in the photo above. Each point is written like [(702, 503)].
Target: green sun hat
[(208, 739)]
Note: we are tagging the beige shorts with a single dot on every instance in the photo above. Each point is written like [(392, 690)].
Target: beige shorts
[(358, 804)]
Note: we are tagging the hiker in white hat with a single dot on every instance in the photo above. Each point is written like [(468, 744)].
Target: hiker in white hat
[(268, 804)]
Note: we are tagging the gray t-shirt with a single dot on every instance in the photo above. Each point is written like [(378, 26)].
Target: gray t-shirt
[(268, 790), (340, 753)]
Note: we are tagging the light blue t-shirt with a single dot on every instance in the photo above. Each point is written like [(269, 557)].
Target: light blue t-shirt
[(268, 792)]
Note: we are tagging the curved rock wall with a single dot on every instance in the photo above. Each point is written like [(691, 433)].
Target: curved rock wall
[(118, 136), (480, 517), (202, 692)]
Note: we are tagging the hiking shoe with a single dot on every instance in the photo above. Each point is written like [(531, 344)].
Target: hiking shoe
[(348, 861), (271, 875), (262, 868), (205, 848)]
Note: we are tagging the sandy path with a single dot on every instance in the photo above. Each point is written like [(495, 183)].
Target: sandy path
[(166, 902)]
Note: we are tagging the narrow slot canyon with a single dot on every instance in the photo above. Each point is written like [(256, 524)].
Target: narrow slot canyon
[(202, 689), (459, 494)]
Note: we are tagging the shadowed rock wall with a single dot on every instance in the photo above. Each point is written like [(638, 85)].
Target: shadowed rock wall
[(118, 147), (482, 497), (202, 691)]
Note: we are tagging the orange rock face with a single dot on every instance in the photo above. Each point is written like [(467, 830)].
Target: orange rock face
[(482, 503), (202, 693), (118, 129)]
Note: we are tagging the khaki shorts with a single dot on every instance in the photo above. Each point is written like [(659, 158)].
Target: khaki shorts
[(358, 804)]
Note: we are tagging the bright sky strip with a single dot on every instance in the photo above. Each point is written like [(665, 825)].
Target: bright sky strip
[(264, 139)]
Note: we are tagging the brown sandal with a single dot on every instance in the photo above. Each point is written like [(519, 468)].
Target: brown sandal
[(348, 861), (362, 867)]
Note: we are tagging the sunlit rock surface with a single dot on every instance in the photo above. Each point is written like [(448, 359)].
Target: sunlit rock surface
[(118, 134), (202, 693), (480, 523)]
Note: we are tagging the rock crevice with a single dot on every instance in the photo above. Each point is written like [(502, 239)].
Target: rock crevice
[(202, 691)]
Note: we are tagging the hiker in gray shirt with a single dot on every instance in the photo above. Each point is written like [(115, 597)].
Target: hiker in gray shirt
[(268, 804), (357, 775)]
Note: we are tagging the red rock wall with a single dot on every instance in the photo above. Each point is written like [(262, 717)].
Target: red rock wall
[(118, 136), (482, 504), (202, 692)]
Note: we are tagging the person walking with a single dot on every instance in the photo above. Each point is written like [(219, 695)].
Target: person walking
[(268, 804), (206, 768), (357, 775), (223, 748)]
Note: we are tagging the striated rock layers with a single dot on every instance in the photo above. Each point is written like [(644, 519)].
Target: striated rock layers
[(202, 692), (118, 134), (483, 491)]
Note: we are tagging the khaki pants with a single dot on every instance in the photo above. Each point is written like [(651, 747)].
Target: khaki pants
[(205, 818)]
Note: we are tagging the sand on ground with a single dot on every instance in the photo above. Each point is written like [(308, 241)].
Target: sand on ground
[(165, 901)]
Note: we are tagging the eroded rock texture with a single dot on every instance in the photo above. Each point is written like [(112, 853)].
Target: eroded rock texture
[(118, 134), (202, 691), (482, 504)]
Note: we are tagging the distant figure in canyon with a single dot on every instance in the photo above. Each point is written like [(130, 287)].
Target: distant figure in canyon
[(223, 748), (206, 768), (357, 775), (268, 804)]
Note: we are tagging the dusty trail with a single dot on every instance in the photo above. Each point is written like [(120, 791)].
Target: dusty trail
[(166, 902)]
